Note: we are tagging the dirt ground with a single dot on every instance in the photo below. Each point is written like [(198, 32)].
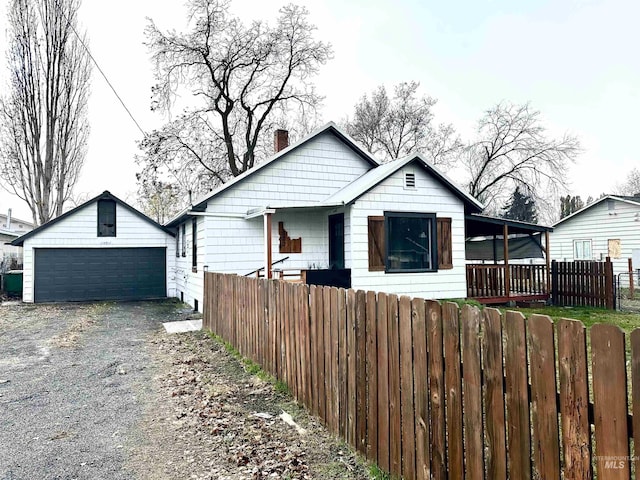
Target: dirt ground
[(100, 391)]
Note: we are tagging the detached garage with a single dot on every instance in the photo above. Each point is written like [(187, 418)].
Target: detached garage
[(102, 250)]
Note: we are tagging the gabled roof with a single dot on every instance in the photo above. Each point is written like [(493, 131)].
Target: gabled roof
[(106, 195), (619, 198), (201, 204), (366, 182)]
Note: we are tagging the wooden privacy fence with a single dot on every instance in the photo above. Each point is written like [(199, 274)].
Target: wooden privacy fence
[(583, 283), (430, 391)]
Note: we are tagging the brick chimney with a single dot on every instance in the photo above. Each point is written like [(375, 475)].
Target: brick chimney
[(281, 140)]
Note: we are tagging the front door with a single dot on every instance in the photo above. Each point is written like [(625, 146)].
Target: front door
[(336, 241)]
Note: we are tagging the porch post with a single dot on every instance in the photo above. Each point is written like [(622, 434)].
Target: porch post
[(547, 254), (507, 274), (267, 245)]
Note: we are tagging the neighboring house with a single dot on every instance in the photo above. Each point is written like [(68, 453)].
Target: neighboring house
[(103, 249), (9, 223), (324, 203), (10, 229), (10, 256), (608, 227)]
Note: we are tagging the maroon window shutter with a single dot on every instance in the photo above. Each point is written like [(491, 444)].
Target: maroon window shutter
[(445, 254), (376, 244)]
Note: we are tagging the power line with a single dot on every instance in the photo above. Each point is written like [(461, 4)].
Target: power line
[(99, 69)]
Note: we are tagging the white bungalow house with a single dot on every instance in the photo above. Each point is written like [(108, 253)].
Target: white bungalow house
[(608, 227), (325, 204)]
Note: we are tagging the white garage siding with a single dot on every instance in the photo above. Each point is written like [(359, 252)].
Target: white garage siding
[(79, 230), (430, 196), (189, 285)]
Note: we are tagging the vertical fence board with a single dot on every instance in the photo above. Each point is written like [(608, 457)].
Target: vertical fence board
[(372, 377), (361, 372), (420, 389), (313, 347), (319, 354), (610, 401), (307, 373), (352, 366), (546, 446), (635, 395), (494, 395), (406, 388), (453, 389), (335, 412), (383, 382), (517, 397), (395, 421), (273, 306), (328, 379), (574, 400), (343, 377), (472, 400), (437, 445)]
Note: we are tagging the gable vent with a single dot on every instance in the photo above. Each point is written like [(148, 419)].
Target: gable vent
[(409, 180)]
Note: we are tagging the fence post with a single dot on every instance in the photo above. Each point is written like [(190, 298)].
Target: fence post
[(609, 285), (554, 282), (631, 286)]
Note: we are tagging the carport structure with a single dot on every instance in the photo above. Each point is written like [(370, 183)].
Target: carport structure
[(501, 281)]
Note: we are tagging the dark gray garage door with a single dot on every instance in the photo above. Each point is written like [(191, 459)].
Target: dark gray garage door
[(78, 274)]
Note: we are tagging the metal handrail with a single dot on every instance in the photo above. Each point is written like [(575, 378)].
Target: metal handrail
[(262, 268)]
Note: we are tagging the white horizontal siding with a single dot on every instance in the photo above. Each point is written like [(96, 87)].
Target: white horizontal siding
[(188, 284), (599, 224), (309, 173), (236, 245), (80, 230), (430, 196)]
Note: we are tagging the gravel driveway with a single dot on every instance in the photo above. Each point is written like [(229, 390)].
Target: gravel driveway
[(74, 381), (99, 391)]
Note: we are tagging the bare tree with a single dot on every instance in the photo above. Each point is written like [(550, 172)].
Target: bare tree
[(395, 127), (43, 114), (241, 78), (631, 185), (159, 200), (514, 150)]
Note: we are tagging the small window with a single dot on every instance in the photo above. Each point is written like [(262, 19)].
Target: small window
[(194, 243), (409, 180), (184, 240), (410, 242), (106, 218), (178, 244), (582, 250)]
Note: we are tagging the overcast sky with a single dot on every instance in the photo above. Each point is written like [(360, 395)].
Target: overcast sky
[(575, 60)]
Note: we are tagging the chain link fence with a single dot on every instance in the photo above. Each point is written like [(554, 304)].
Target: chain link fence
[(628, 291)]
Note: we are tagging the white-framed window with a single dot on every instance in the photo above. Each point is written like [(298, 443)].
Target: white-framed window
[(582, 250)]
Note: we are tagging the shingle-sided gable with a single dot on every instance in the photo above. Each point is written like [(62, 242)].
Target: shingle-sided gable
[(310, 173)]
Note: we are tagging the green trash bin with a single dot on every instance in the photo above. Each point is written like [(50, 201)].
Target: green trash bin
[(12, 282)]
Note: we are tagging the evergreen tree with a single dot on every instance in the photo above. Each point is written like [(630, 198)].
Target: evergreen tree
[(571, 204), (522, 207)]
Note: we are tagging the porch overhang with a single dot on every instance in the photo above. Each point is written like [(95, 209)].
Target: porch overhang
[(500, 283)]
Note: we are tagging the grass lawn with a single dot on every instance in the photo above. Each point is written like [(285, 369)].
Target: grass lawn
[(628, 321)]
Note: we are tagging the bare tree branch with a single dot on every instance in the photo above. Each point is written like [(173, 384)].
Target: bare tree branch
[(241, 76), (43, 114), (513, 150), (393, 128)]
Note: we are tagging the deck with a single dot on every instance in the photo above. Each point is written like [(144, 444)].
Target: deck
[(493, 284)]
